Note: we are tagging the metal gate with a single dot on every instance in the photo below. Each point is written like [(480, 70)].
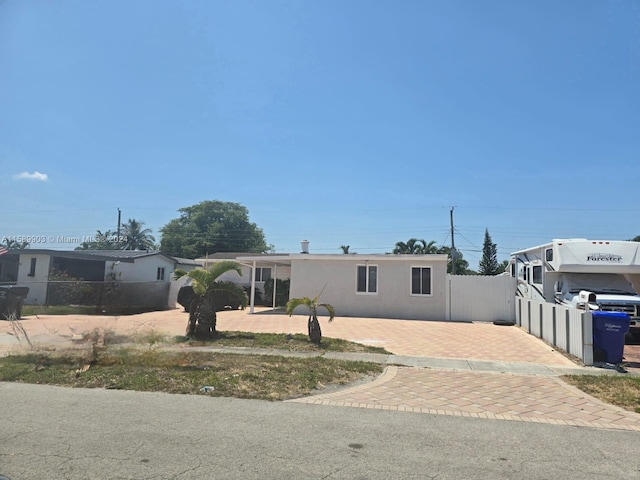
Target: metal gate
[(477, 298)]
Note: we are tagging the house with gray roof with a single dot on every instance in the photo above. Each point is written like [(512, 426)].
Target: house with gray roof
[(130, 277)]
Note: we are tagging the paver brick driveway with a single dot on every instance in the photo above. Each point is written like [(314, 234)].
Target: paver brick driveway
[(531, 398), (476, 341)]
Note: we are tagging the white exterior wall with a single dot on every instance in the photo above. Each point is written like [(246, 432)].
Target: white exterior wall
[(38, 283), (232, 276), (338, 277), (144, 269)]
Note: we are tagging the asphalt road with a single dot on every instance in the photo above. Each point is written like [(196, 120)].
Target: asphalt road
[(61, 433)]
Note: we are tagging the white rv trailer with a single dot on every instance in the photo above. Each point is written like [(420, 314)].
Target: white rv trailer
[(587, 274)]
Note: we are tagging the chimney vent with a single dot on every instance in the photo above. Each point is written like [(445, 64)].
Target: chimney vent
[(304, 246)]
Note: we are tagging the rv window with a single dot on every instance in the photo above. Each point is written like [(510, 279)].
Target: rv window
[(549, 255), (537, 274)]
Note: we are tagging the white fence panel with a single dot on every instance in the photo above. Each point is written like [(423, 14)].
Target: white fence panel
[(548, 322), (562, 329), (566, 328), (536, 319), (481, 298)]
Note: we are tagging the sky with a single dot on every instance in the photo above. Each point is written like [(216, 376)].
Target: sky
[(341, 122)]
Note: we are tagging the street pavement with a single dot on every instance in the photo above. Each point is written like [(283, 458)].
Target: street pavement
[(77, 434)]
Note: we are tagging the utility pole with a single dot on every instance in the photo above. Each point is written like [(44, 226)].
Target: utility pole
[(453, 245), (119, 212)]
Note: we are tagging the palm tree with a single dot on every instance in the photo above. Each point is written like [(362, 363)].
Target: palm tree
[(15, 245), (102, 241), (415, 246), (315, 334), (202, 311), (134, 237)]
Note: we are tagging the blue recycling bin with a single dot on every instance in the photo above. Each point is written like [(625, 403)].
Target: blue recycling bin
[(609, 329)]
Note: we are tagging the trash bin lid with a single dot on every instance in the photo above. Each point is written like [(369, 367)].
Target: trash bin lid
[(599, 313)]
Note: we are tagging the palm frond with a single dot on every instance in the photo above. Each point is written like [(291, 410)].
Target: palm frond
[(179, 273), (224, 266), (200, 280), (330, 309), (296, 302)]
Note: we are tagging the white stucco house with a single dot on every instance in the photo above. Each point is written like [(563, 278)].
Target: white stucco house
[(144, 277), (382, 285), (386, 286)]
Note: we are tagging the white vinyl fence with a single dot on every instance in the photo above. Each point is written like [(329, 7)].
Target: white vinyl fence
[(566, 328), (476, 298)]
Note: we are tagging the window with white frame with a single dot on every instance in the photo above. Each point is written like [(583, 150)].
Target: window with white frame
[(160, 274), (420, 280), (367, 279), (263, 274)]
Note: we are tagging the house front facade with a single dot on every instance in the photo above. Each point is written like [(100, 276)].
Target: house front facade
[(384, 286)]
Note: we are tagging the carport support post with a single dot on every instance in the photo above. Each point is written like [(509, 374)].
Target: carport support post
[(253, 286), (275, 282)]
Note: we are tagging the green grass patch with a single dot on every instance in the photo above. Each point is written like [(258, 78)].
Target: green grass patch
[(28, 310), (184, 372), (281, 341), (621, 391)]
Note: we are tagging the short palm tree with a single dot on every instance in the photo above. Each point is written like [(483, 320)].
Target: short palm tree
[(315, 334), (202, 311)]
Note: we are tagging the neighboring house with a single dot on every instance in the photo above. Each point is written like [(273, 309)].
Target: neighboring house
[(142, 278)]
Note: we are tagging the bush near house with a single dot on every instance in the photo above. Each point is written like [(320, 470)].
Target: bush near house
[(223, 300)]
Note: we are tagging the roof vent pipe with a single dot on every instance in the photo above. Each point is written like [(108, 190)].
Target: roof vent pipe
[(304, 246)]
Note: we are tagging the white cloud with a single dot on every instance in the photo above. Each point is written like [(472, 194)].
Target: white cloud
[(42, 177)]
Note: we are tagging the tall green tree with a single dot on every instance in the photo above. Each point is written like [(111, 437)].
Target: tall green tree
[(415, 246), (209, 227), (135, 237), (202, 311), (462, 266), (489, 261), (503, 267), (636, 239)]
